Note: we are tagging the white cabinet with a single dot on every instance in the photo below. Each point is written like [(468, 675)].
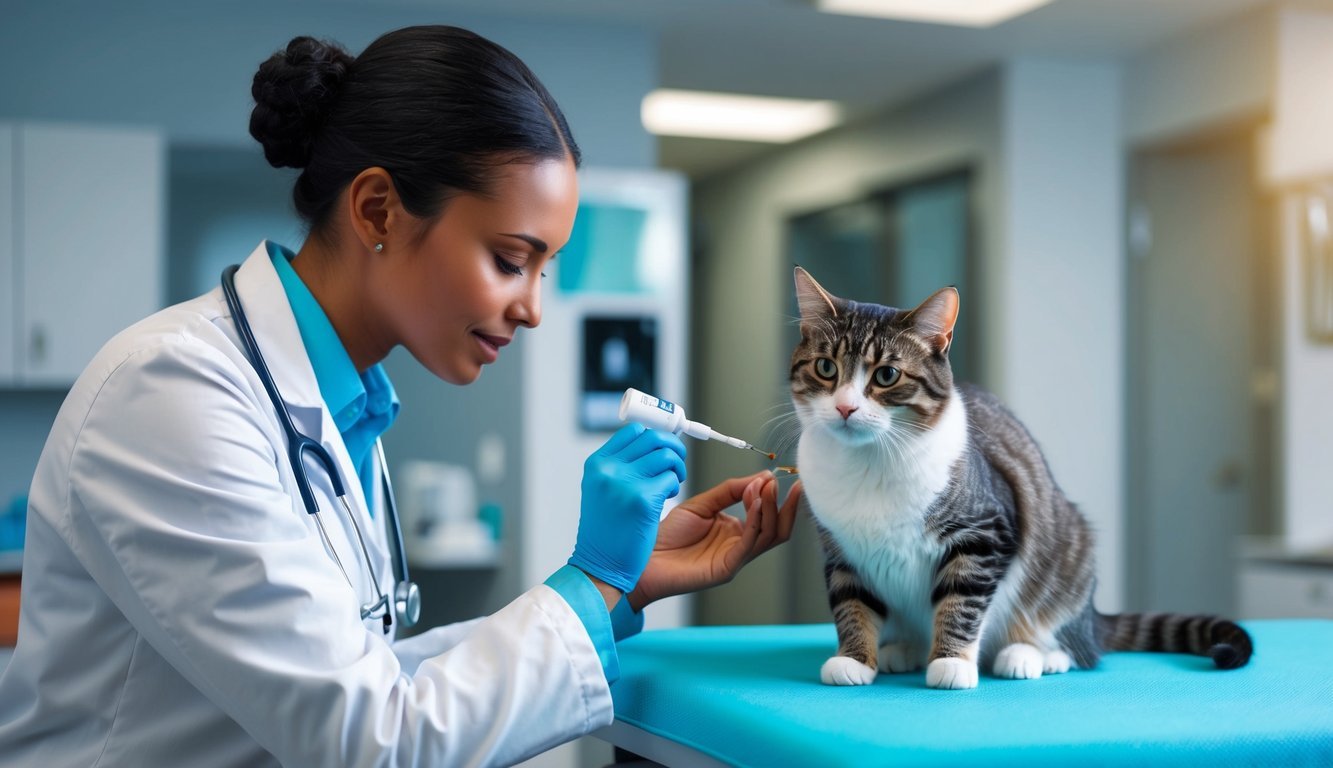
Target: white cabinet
[(82, 217), (1279, 590)]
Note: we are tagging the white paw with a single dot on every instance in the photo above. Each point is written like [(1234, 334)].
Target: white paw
[(844, 670), (1056, 662), (1019, 661), (951, 673), (899, 657)]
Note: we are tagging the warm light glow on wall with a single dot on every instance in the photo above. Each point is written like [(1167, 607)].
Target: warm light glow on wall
[(700, 114), (964, 13)]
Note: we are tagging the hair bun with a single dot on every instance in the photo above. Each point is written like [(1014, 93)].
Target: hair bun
[(294, 91)]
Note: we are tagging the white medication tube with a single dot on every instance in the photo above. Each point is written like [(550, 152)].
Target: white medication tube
[(656, 413)]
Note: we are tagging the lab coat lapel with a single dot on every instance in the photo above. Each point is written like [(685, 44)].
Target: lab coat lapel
[(274, 327)]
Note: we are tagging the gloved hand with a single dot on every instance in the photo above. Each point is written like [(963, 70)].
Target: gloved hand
[(625, 484)]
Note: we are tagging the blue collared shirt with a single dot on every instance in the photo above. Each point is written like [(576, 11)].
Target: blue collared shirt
[(363, 405)]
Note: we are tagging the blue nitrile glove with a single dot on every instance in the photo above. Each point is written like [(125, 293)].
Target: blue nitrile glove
[(625, 484)]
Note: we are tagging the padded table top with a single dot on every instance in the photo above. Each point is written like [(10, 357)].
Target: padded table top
[(752, 696)]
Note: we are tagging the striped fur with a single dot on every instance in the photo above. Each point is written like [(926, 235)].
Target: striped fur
[(947, 542)]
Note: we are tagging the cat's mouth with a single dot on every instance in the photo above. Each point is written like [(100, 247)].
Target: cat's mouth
[(851, 430)]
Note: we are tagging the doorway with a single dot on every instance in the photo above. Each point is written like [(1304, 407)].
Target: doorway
[(1201, 381)]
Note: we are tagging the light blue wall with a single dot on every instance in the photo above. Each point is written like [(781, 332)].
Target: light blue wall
[(188, 68), (188, 71)]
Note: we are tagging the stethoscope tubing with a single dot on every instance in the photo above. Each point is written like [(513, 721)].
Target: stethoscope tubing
[(406, 600)]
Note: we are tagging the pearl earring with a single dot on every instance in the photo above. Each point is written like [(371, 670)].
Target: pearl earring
[(379, 247)]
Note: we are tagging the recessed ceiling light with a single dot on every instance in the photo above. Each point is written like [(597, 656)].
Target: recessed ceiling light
[(700, 114), (963, 13)]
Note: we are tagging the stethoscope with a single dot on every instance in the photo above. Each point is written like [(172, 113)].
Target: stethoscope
[(406, 595)]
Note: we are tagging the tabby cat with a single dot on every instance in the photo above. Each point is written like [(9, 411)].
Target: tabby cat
[(947, 542)]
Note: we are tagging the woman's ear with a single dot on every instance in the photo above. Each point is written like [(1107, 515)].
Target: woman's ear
[(375, 210)]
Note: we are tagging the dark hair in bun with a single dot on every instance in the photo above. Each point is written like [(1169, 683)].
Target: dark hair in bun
[(294, 91), (438, 107)]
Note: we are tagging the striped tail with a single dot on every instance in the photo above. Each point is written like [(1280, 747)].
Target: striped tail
[(1224, 641)]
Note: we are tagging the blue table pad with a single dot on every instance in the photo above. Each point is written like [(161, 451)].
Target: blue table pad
[(751, 696)]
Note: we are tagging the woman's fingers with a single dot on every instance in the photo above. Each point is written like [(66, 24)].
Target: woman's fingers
[(623, 437), (724, 494), (750, 532), (661, 461), (790, 506), (768, 514), (648, 441)]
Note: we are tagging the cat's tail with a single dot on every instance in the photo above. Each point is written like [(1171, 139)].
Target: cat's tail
[(1223, 640)]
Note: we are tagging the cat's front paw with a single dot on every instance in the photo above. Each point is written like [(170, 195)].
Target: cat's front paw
[(844, 670), (1019, 661), (951, 673), (900, 657)]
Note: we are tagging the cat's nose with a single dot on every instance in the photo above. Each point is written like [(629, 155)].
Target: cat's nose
[(846, 411)]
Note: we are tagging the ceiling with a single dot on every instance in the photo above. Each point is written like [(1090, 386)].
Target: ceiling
[(786, 48)]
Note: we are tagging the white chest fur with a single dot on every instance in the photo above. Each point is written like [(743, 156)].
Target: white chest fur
[(874, 502)]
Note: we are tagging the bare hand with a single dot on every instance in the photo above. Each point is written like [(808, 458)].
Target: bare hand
[(700, 546)]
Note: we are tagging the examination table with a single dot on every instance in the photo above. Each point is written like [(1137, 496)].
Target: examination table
[(751, 696)]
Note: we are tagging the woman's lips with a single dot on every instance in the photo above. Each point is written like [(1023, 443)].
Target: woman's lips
[(490, 345)]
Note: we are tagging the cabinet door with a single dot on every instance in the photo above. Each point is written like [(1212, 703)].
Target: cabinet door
[(91, 232), (8, 276), (1285, 592)]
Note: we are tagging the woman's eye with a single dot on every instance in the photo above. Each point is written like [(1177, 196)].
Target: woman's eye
[(826, 368), (886, 375), (506, 266)]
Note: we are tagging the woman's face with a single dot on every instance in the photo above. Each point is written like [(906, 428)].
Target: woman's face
[(456, 296)]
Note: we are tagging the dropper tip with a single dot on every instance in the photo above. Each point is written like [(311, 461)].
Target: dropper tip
[(771, 456)]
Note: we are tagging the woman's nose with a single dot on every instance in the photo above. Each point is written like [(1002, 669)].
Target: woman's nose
[(527, 311)]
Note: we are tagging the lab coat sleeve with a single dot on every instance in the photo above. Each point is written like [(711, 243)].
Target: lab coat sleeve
[(411, 651), (177, 509)]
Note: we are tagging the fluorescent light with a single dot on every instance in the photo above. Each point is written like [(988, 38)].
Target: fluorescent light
[(964, 13), (667, 112)]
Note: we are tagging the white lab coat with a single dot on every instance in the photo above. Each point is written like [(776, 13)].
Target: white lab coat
[(179, 608)]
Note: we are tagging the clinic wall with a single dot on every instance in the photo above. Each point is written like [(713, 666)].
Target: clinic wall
[(741, 281), (1265, 65), (1060, 274), (1216, 75), (187, 68), (1299, 158)]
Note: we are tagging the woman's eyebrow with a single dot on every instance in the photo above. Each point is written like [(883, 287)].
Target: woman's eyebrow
[(538, 245)]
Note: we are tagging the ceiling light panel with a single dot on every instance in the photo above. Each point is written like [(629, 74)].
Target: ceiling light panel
[(964, 13), (701, 114)]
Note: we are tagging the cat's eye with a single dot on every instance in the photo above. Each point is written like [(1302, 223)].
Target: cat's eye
[(886, 376), (826, 368)]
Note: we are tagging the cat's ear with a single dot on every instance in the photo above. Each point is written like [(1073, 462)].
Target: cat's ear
[(814, 301), (935, 318)]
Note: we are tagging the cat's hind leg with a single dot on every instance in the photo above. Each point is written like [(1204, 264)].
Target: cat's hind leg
[(1030, 652), (898, 657), (1019, 661), (1023, 661), (899, 650), (1056, 662)]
